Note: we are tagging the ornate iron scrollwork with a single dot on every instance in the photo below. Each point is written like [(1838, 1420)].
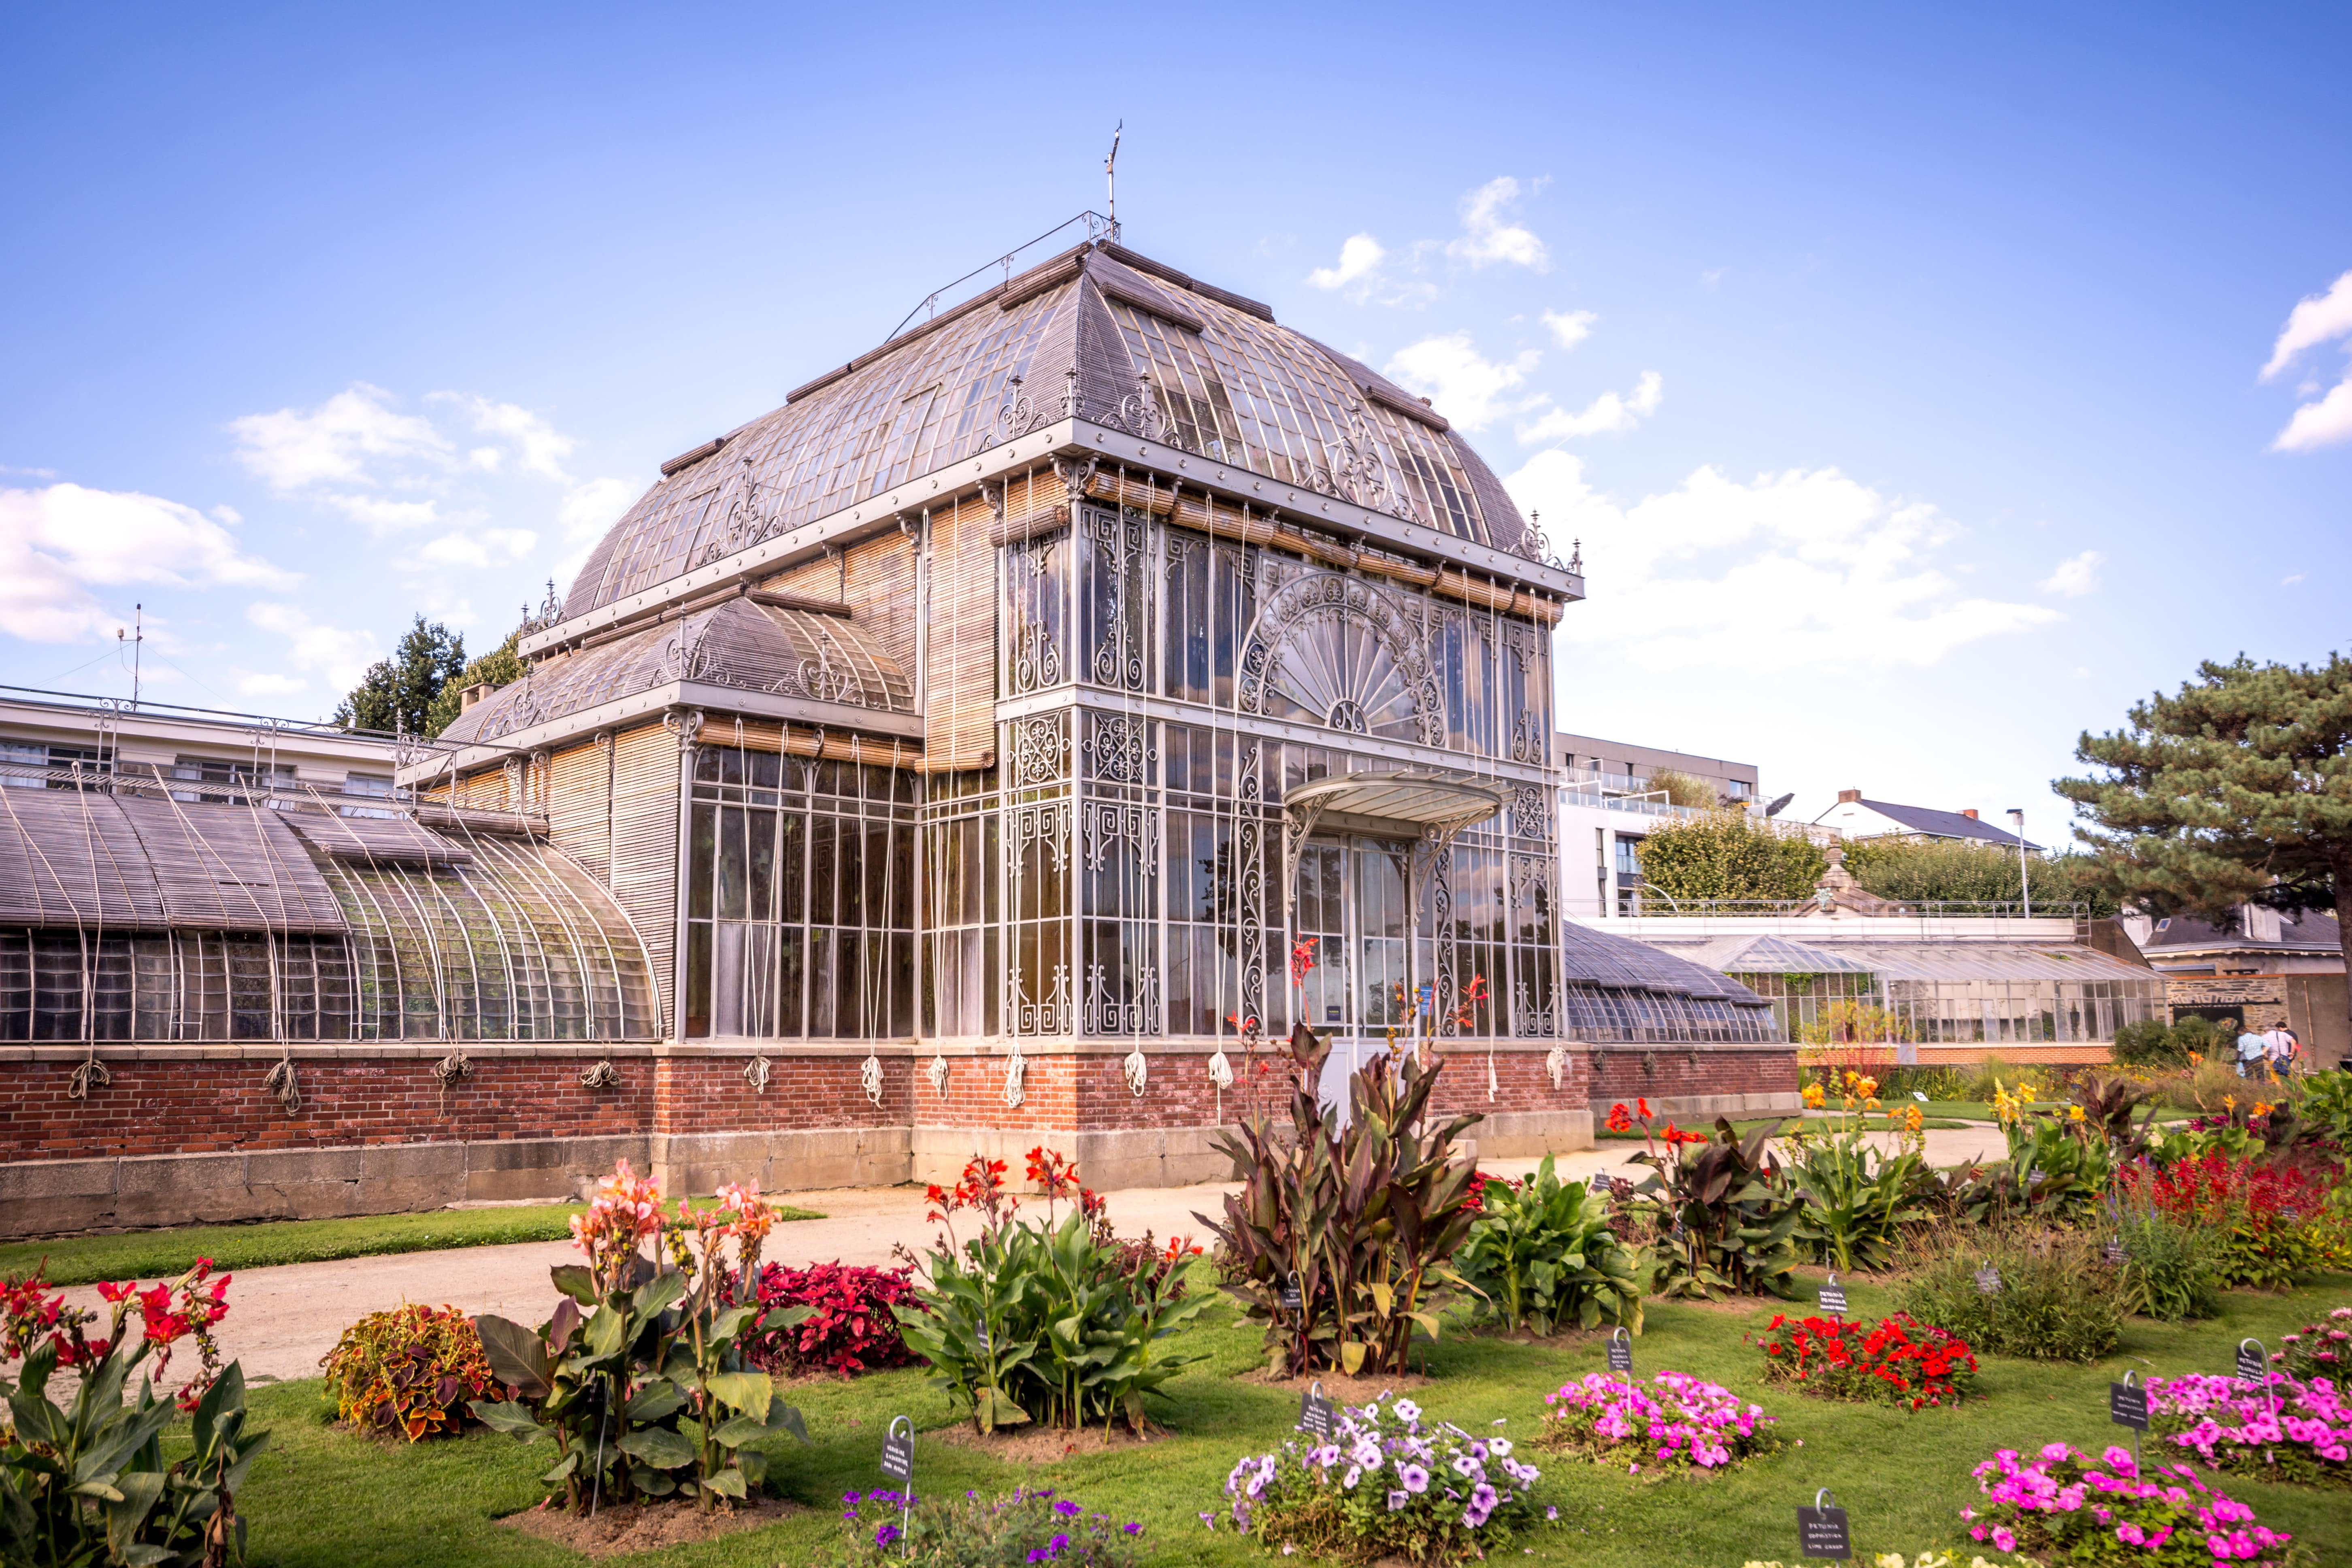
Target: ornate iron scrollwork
[(1290, 611), (1016, 417), (1038, 747), (1120, 745), (1531, 813), (1249, 830), (1036, 661), (1119, 541), (1109, 826)]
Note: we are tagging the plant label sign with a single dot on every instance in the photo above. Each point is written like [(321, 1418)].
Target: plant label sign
[(2115, 1249), (1821, 1533), (1833, 1296), (1600, 1184), (898, 1453), (2253, 1364), (1317, 1415), (1988, 1281), (1621, 1352), (1291, 1299), (2128, 1405)]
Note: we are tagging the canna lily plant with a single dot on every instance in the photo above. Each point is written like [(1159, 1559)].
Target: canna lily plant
[(1728, 1220)]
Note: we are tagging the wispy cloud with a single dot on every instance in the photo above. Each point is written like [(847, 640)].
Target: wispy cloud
[(60, 543), (342, 657), (1488, 236), (1569, 328), (339, 440), (2315, 320), (1360, 257), (1607, 415), (1807, 567), (1460, 383), (2074, 576)]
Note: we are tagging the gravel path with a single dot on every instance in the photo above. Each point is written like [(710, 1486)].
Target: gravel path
[(283, 1320)]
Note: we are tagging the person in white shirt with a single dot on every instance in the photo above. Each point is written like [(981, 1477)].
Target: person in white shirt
[(2275, 1052), (2249, 1051)]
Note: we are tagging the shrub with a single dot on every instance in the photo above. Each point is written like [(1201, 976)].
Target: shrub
[(1053, 1320), (967, 1532), (1541, 1256), (2269, 1223), (2275, 1430), (1354, 1224), (1726, 854), (645, 1393), (1675, 1424), (2150, 1043), (87, 1483), (2065, 1508), (1734, 1219), (409, 1370), (850, 1327), (2318, 1349), (1856, 1196), (2172, 1271), (2057, 1301), (1900, 1361), (1383, 1485)]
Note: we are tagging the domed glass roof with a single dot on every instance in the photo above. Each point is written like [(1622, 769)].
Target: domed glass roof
[(1100, 331)]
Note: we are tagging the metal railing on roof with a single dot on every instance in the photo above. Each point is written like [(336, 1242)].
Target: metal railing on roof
[(929, 305), (1908, 908), (154, 780)]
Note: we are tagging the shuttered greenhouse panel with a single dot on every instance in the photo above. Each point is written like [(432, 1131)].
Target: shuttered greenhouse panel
[(580, 806), (960, 725), (644, 846)]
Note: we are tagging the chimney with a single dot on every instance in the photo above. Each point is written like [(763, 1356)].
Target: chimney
[(473, 694), (1849, 796), (1970, 812)]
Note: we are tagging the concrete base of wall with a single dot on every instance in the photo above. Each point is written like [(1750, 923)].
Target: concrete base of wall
[(46, 1197), (1530, 1134), (782, 1162)]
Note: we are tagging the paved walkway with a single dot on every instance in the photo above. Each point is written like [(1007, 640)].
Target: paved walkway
[(283, 1320)]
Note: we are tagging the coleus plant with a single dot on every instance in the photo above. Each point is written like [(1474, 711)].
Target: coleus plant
[(640, 1375), (1341, 1237)]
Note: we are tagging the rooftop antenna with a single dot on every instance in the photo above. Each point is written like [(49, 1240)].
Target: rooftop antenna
[(1111, 176), (137, 634)]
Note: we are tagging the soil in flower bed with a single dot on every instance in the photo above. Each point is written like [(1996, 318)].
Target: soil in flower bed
[(1043, 1445), (617, 1531), (1338, 1386)]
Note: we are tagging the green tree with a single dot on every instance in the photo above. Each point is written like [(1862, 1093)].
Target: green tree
[(1683, 789), (1945, 870), (2238, 789), (398, 693), (500, 666), (1728, 855)]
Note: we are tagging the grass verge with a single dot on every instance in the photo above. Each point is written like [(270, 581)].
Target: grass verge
[(324, 1498), (162, 1253)]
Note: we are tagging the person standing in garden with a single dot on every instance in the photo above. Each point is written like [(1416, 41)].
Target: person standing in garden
[(2251, 1049)]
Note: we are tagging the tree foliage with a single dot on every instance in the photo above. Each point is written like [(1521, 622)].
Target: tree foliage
[(1683, 789), (2237, 789), (500, 666), (1945, 871), (397, 693), (1728, 855)]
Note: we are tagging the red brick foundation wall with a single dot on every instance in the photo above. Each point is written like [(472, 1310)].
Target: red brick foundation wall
[(1673, 1072)]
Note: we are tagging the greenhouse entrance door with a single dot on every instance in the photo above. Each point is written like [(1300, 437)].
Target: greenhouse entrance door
[(1348, 896)]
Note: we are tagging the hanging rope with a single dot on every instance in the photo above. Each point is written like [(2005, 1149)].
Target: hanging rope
[(938, 1073), (603, 1074), (280, 1082), (91, 1071), (1016, 1067), (1137, 1071), (1556, 1064), (755, 1073), (452, 1069)]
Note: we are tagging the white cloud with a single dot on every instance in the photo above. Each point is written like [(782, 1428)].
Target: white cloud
[(270, 685), (1806, 569), (341, 656), (2314, 320), (2074, 576), (590, 507), (1485, 236), (59, 542), (539, 448), (479, 548), (1460, 384), (1570, 328), (382, 516), (2319, 424), (1360, 257), (291, 449), (2289, 582), (1607, 415)]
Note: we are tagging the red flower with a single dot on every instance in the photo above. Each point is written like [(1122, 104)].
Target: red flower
[(1617, 1120), (1642, 1108)]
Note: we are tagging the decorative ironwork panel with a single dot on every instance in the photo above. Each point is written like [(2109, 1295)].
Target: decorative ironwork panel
[(1113, 827), (1338, 651), (1038, 745), (1120, 747), (1249, 838), (1531, 813)]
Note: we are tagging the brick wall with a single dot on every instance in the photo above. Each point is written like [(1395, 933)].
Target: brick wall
[(1670, 1072), (2264, 996), (212, 1106)]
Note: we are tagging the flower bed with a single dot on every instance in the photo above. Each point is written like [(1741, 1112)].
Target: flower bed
[(2277, 1429), (850, 1327), (1685, 1425), (410, 1370), (970, 1532), (2319, 1350), (1382, 1485), (1901, 1361), (2065, 1508)]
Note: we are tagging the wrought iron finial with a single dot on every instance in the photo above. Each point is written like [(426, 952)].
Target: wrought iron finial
[(1074, 402), (1576, 557)]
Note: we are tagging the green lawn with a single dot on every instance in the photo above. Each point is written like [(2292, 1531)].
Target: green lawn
[(327, 1500), (1931, 1118), (162, 1254), (1981, 1111)]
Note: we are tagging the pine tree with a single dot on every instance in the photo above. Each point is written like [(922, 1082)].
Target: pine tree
[(398, 693), (2237, 790)]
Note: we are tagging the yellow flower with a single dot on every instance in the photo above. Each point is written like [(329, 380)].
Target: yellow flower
[(1871, 1104), (2228, 1102), (2262, 1108), (1813, 1096), (2074, 1113), (1869, 1087)]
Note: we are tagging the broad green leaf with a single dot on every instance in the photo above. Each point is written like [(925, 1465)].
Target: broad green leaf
[(658, 1447), (749, 1391), (508, 1416), (655, 1400), (517, 1357)]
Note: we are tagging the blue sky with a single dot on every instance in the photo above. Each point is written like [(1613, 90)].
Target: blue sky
[(1903, 374)]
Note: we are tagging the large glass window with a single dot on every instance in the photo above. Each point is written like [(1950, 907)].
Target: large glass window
[(801, 899)]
